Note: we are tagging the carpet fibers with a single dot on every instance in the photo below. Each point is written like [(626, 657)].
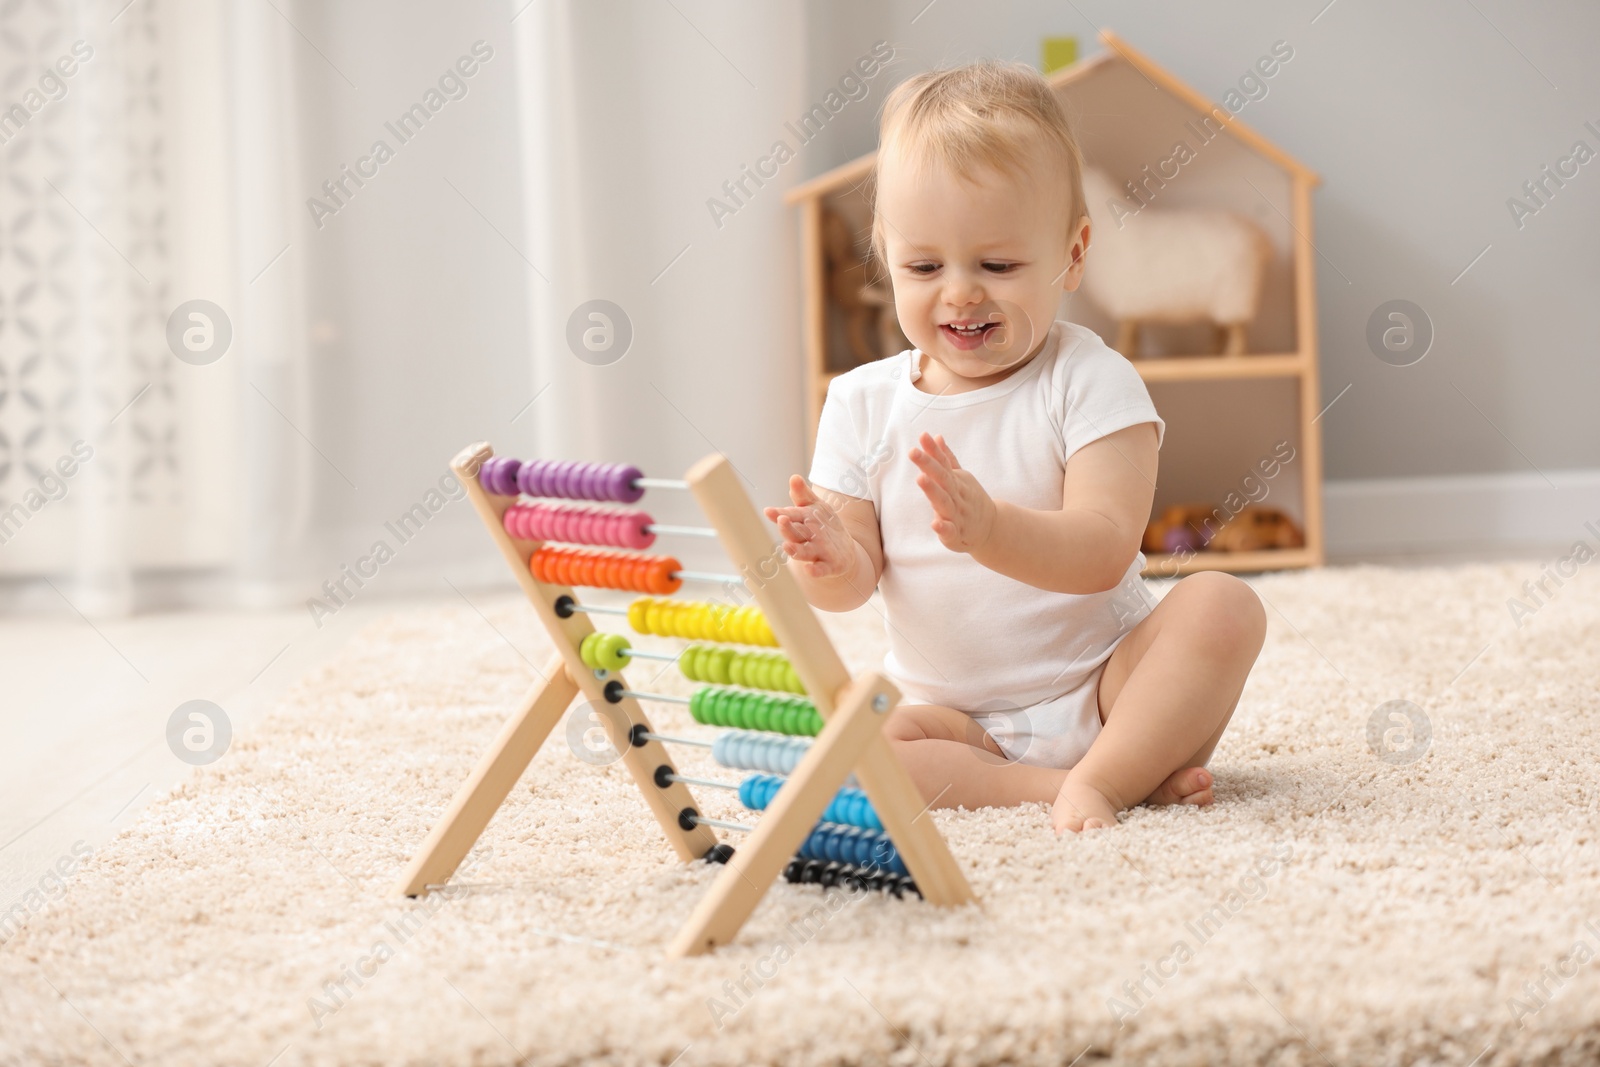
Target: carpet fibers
[(1370, 888)]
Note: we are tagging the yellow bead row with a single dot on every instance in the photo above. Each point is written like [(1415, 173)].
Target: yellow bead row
[(698, 620)]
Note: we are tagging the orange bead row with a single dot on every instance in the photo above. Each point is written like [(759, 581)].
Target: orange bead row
[(605, 570)]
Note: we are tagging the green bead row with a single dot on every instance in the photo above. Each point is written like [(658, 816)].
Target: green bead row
[(604, 652), (743, 710), (732, 666)]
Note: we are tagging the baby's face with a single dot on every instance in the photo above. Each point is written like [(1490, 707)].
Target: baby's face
[(992, 256)]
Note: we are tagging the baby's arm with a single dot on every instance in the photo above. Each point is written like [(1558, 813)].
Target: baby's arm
[(1083, 548), (834, 547)]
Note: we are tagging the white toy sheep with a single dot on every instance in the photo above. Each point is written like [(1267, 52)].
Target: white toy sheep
[(1171, 266)]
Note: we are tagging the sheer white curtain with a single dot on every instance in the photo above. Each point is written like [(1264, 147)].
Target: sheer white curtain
[(151, 175), (634, 115)]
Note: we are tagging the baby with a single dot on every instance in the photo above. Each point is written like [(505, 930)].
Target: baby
[(995, 480)]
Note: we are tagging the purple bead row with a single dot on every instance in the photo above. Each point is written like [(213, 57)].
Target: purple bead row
[(569, 479)]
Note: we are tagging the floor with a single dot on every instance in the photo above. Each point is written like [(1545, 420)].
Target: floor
[(86, 708)]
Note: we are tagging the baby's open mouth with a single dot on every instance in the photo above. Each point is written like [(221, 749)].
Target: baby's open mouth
[(967, 335)]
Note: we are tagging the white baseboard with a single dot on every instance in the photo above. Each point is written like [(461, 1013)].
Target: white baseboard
[(1518, 512)]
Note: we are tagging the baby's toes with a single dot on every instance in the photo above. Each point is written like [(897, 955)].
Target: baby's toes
[(1079, 808), (1069, 820), (1191, 785)]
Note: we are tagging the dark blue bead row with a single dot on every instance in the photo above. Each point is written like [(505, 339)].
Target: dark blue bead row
[(853, 845)]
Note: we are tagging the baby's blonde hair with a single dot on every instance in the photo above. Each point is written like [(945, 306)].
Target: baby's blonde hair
[(985, 115)]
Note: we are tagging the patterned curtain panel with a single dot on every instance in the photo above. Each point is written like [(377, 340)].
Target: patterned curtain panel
[(125, 331)]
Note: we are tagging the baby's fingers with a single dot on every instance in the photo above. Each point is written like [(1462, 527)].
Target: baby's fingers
[(799, 490), (818, 564), (809, 551), (931, 463), (943, 504), (796, 530)]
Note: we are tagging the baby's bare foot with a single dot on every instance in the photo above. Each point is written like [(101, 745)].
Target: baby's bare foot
[(1191, 785), (1082, 807)]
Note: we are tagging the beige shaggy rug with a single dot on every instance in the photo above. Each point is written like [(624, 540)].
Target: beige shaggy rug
[(1405, 890)]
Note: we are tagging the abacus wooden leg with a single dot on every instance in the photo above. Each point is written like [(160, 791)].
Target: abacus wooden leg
[(492, 780), (789, 819)]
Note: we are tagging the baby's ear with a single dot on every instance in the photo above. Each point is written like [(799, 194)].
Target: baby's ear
[(1078, 246)]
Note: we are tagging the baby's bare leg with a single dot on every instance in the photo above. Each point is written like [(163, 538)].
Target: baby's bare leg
[(955, 763), (1189, 664)]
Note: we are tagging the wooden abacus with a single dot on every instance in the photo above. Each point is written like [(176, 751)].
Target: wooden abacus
[(812, 830)]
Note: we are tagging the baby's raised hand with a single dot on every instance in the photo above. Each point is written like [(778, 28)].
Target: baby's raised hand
[(813, 533), (963, 512)]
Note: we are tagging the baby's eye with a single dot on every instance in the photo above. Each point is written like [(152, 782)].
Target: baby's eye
[(1000, 268), (923, 268)]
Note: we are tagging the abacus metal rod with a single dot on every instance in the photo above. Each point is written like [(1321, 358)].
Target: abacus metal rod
[(708, 576), (596, 609), (723, 824), (709, 783), (643, 653), (660, 483), (646, 735), (666, 697), (684, 531)]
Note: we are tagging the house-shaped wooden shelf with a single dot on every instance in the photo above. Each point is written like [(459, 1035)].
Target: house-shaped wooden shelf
[(1230, 418)]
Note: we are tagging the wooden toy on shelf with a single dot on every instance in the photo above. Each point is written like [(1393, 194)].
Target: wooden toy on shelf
[(1181, 529), (1189, 528), (1257, 527), (1171, 266), (806, 747)]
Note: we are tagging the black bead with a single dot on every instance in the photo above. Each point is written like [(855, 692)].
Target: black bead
[(613, 692), (565, 606), (719, 853), (636, 735), (687, 818), (663, 776)]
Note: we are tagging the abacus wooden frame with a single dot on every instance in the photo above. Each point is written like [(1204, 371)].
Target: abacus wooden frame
[(851, 740)]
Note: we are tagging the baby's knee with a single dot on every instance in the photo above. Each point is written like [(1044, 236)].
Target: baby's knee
[(1227, 612), (904, 724)]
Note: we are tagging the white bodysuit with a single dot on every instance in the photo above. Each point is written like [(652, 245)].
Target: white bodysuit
[(1023, 661)]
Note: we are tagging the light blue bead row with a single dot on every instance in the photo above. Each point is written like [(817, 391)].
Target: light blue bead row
[(849, 807)]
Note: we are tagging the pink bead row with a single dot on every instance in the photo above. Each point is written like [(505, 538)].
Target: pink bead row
[(580, 525)]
